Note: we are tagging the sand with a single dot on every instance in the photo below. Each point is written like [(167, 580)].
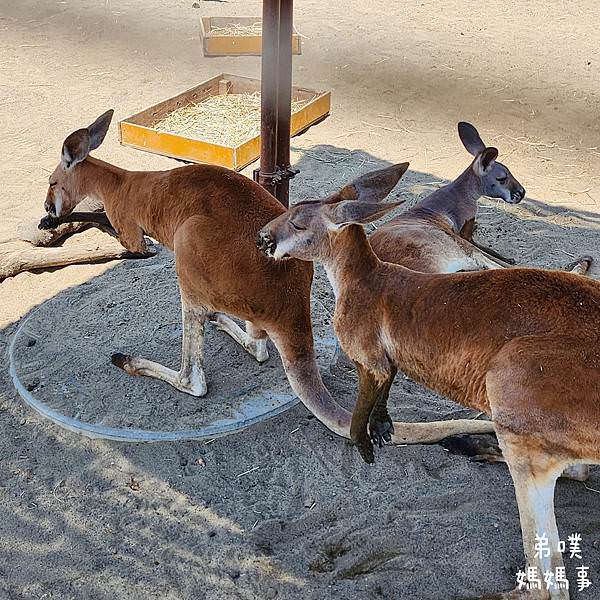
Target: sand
[(284, 509)]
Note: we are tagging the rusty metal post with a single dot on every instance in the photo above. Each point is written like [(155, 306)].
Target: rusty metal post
[(276, 91), (284, 101), (267, 174)]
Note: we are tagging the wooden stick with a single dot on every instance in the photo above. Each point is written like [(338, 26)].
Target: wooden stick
[(19, 256)]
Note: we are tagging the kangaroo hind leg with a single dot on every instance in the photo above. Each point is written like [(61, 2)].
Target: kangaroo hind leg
[(190, 378), (253, 340), (534, 472)]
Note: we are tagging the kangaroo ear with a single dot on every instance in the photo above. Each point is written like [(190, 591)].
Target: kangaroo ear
[(75, 148), (371, 187), (484, 162), (351, 211), (470, 138), (99, 128)]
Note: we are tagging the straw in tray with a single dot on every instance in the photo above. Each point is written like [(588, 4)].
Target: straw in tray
[(237, 29), (226, 119)]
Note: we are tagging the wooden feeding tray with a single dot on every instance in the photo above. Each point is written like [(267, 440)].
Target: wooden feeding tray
[(236, 36), (175, 128)]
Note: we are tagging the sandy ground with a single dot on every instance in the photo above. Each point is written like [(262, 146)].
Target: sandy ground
[(92, 519)]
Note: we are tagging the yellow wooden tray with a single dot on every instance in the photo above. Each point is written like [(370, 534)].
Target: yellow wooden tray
[(215, 43), (137, 131)]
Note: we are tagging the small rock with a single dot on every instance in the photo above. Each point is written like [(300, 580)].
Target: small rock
[(134, 484), (270, 593), (31, 342), (196, 5)]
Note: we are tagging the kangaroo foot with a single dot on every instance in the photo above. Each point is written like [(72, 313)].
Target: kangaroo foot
[(478, 448), (485, 448), (190, 381)]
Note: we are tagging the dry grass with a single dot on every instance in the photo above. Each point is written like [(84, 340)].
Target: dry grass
[(237, 29), (227, 120)]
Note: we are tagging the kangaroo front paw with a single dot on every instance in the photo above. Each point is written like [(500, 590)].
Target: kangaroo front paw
[(149, 253), (381, 431), (581, 265), (49, 222), (365, 448)]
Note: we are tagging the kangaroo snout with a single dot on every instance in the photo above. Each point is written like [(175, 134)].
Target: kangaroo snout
[(517, 195)]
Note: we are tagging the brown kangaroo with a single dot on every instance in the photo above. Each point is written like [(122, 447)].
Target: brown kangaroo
[(523, 345), (209, 217), (436, 236)]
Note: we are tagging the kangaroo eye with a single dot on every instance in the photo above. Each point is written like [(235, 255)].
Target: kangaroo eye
[(297, 227), (502, 179)]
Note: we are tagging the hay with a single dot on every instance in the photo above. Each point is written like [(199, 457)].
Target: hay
[(238, 30), (226, 120)]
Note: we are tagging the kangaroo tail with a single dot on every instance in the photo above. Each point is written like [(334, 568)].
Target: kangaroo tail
[(304, 377)]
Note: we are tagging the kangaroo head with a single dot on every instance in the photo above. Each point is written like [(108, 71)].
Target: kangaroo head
[(496, 179), (305, 230), (66, 186)]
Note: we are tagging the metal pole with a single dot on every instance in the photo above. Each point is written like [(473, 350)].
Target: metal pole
[(267, 175), (284, 102)]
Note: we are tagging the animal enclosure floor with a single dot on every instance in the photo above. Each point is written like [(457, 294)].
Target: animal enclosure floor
[(285, 510)]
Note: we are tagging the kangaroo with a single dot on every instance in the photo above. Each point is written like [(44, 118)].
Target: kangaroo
[(209, 217), (522, 345), (436, 235)]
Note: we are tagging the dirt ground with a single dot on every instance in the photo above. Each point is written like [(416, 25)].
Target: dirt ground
[(284, 509)]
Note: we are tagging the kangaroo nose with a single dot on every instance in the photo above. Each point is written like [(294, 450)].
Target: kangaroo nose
[(518, 194), (265, 243)]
